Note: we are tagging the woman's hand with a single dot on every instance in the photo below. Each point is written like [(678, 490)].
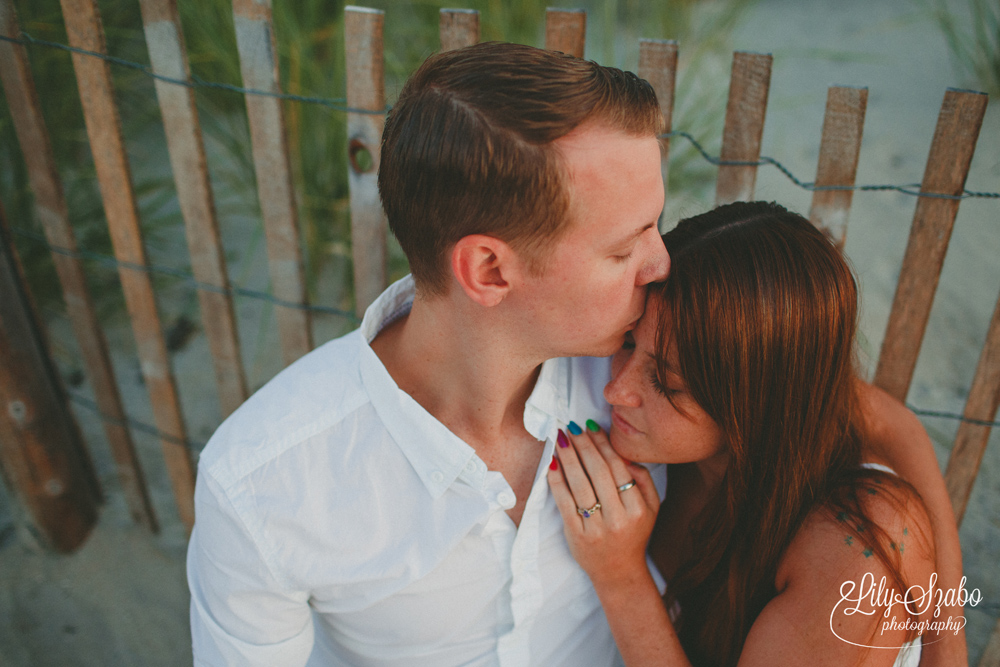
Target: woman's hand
[(609, 543)]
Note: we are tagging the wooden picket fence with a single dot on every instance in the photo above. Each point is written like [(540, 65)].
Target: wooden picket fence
[(44, 478)]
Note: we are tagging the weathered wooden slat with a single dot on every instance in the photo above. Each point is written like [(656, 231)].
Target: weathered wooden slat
[(741, 136), (566, 31), (365, 90), (83, 25), (838, 159), (991, 656), (947, 166), (41, 452), (982, 404), (165, 41), (50, 209), (658, 65), (259, 65), (458, 28)]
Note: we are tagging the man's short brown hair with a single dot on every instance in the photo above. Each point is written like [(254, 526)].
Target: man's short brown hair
[(467, 148)]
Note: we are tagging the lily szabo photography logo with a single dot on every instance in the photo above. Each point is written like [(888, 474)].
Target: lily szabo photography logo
[(869, 597)]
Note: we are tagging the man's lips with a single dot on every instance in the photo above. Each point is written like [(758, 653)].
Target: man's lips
[(623, 424)]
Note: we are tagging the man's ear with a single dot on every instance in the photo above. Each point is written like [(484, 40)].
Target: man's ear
[(483, 265)]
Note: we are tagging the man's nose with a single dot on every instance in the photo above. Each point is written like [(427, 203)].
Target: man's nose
[(657, 266)]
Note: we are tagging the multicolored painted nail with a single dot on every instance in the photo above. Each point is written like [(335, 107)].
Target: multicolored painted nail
[(554, 465), (593, 426), (574, 428), (562, 439)]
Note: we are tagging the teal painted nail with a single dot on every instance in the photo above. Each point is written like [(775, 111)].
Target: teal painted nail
[(574, 428), (593, 426)]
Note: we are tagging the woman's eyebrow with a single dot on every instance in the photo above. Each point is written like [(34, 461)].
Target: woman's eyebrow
[(666, 364)]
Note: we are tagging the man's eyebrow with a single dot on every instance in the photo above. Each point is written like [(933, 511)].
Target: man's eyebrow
[(635, 235)]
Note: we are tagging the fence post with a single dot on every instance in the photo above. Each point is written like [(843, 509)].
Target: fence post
[(839, 149), (566, 30), (745, 111), (982, 404), (259, 67), (458, 28), (41, 451), (658, 65), (167, 54), (365, 90), (83, 25), (947, 166), (50, 210)]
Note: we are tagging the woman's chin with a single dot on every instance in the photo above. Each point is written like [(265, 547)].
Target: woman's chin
[(624, 444)]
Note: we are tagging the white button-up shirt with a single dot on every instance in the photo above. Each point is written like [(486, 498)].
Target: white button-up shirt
[(339, 523)]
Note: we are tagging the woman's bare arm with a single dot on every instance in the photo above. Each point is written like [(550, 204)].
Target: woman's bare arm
[(610, 545), (899, 439), (823, 613)]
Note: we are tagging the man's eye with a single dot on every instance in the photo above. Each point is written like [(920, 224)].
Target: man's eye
[(624, 258), (629, 342)]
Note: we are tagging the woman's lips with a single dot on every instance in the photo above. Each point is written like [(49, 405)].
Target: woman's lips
[(623, 424)]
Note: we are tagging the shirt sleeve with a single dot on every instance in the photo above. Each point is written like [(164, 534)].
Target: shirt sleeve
[(240, 613)]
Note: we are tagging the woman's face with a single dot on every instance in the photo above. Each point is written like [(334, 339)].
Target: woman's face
[(646, 426)]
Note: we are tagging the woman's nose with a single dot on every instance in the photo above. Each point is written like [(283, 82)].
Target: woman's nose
[(621, 390)]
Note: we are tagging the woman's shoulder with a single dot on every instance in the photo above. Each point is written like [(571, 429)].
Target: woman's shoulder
[(877, 515), (838, 576)]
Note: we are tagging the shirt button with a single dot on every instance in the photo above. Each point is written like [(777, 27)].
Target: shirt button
[(437, 476), (470, 466), (505, 498)]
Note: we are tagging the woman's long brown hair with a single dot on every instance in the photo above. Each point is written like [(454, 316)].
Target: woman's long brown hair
[(764, 312)]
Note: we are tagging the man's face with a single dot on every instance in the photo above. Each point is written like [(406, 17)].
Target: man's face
[(592, 288)]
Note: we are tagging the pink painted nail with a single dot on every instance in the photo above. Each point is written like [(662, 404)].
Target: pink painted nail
[(562, 439), (554, 465)]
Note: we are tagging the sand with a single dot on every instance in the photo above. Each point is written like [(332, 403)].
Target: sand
[(122, 599)]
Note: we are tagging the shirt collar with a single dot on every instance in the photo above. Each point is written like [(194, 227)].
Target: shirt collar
[(437, 455), (547, 408)]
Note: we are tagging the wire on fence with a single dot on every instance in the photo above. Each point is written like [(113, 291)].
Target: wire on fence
[(952, 415), (339, 104), (764, 160), (114, 263), (196, 446), (141, 426)]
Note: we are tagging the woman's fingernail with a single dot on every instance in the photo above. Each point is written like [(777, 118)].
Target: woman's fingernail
[(554, 465), (593, 426), (574, 428), (562, 439)]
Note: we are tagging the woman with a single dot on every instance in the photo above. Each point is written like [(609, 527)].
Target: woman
[(741, 372)]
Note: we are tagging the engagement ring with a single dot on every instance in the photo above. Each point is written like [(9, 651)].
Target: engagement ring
[(589, 512)]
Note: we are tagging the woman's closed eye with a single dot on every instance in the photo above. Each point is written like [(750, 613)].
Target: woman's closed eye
[(661, 388)]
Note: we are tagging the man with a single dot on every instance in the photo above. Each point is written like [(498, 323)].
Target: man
[(383, 500)]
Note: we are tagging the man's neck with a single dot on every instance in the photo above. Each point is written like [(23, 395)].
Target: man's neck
[(467, 370), (463, 370)]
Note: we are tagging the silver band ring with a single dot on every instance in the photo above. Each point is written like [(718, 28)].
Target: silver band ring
[(589, 512), (626, 486)]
